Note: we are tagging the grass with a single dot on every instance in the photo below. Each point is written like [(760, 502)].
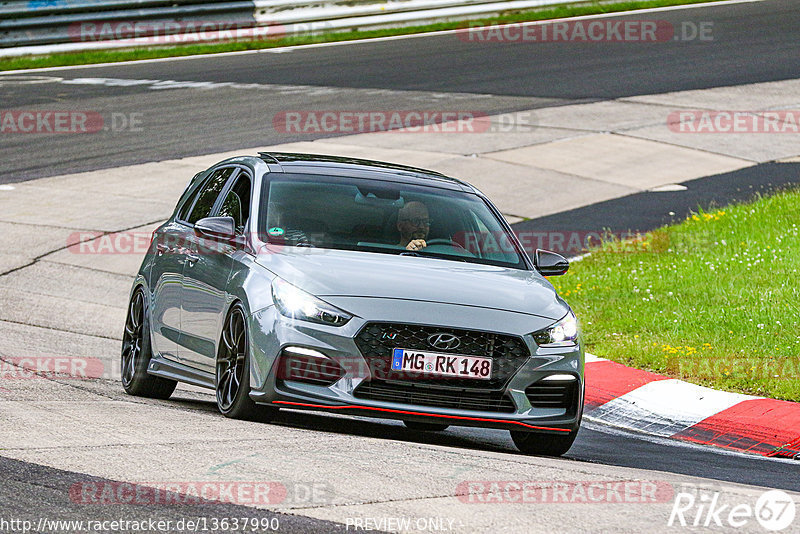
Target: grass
[(714, 300), (109, 56)]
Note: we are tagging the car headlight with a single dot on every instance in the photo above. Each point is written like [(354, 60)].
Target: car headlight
[(562, 334), (295, 303)]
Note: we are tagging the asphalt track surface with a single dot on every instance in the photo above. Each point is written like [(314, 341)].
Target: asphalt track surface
[(648, 210), (596, 443), (750, 42), (30, 492)]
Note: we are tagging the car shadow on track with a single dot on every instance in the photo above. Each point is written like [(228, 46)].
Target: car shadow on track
[(491, 440)]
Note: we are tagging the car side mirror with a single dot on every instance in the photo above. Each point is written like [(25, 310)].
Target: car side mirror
[(221, 228), (549, 263)]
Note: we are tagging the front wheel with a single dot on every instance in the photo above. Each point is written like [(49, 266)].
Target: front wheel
[(233, 372), (136, 352), (543, 444)]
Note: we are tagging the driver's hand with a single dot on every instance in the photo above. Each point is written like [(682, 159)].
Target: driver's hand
[(416, 244)]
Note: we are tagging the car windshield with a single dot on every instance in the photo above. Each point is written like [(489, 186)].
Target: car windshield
[(383, 217)]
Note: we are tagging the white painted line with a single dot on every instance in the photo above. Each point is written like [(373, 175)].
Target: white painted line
[(668, 188), (666, 407), (27, 80), (6, 187), (307, 90), (592, 358), (381, 39)]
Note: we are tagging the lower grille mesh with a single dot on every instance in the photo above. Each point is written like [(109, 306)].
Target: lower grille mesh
[(464, 399)]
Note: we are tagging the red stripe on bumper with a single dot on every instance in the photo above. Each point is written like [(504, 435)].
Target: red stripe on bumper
[(350, 407)]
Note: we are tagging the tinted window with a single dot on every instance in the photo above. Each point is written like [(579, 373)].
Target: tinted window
[(384, 217), (237, 202), (208, 195), (187, 199)]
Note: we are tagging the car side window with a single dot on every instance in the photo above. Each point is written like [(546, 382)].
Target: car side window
[(187, 198), (208, 195), (237, 202)]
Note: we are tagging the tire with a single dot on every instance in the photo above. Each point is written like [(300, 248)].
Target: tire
[(232, 377), (543, 444), (425, 427), (136, 353)]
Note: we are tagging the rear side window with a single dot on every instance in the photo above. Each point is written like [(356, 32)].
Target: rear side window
[(208, 195)]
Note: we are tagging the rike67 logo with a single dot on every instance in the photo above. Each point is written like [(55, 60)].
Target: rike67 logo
[(774, 510)]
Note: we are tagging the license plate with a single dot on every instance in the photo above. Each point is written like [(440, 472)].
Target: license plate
[(439, 364)]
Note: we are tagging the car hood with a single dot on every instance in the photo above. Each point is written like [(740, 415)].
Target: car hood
[(326, 272)]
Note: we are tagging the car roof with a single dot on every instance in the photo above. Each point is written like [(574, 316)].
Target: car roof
[(290, 161)]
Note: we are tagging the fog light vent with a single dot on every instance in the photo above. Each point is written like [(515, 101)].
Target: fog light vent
[(300, 364)]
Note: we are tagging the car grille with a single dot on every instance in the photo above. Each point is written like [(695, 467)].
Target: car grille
[(377, 340), (545, 394), (424, 395)]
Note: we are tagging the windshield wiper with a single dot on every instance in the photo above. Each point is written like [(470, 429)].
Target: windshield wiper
[(404, 252), (435, 256)]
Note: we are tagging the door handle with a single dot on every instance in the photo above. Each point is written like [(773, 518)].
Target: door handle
[(191, 259)]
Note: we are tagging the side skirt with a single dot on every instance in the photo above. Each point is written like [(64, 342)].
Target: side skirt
[(182, 373)]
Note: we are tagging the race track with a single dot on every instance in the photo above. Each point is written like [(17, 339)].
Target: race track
[(61, 433)]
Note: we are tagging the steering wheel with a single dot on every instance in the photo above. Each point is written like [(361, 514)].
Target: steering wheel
[(444, 241)]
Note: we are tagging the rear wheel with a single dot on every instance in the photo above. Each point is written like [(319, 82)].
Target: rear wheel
[(136, 353), (425, 427), (543, 444), (233, 372)]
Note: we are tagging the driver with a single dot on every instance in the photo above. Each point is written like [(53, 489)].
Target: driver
[(413, 224)]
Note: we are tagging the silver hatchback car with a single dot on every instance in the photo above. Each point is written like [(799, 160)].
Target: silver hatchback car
[(362, 287)]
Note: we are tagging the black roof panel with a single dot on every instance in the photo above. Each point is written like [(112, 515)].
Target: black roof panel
[(289, 159)]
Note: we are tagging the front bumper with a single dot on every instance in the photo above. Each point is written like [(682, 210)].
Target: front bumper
[(523, 407)]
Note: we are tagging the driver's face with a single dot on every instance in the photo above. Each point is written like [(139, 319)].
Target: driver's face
[(413, 221)]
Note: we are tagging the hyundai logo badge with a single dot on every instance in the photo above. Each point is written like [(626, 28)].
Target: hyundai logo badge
[(443, 341)]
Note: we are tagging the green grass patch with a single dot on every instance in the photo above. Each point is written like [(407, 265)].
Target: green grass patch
[(714, 300), (109, 56)]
